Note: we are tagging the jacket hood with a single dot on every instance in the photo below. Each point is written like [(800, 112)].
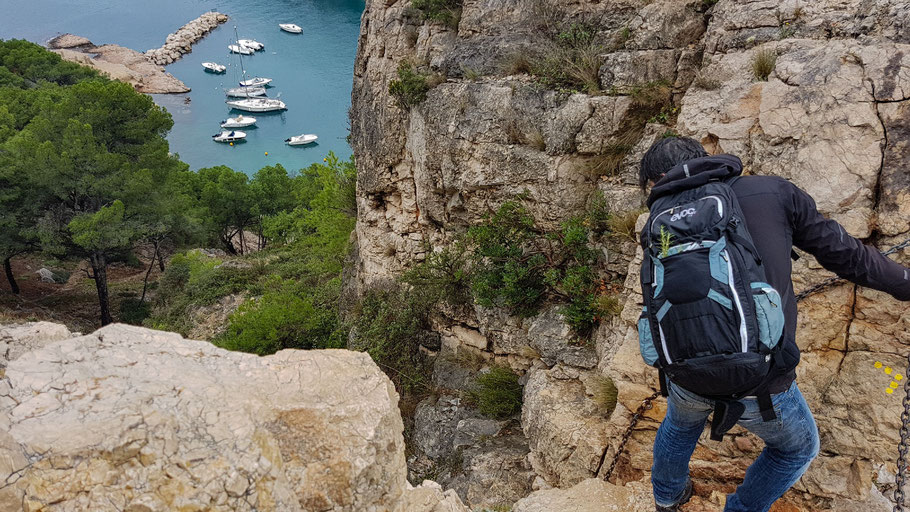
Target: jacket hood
[(696, 172)]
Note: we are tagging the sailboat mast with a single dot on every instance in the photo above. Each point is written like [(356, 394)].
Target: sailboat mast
[(237, 41)]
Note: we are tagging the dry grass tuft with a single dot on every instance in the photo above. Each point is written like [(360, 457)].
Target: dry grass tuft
[(763, 63)]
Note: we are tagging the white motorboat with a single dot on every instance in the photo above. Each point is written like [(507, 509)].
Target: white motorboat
[(252, 44), (242, 50), (290, 27), (258, 104), (256, 82), (229, 136), (214, 67), (300, 140), (245, 92), (238, 122)]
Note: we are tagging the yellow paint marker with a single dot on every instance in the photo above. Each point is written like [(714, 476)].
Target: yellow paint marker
[(898, 377), (894, 384), (887, 370), (889, 391)]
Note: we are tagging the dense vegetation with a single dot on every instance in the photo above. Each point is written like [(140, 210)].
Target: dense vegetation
[(85, 175)]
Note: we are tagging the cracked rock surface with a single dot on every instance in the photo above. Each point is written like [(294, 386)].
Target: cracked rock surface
[(133, 419)]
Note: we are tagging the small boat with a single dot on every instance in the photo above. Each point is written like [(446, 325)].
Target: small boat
[(300, 140), (214, 67), (258, 104), (290, 27), (245, 92), (256, 82), (238, 122), (242, 50), (229, 136), (252, 44)]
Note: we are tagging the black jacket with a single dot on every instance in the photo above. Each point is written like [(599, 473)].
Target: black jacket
[(780, 216)]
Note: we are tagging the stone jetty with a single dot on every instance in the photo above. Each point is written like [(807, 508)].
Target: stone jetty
[(181, 41)]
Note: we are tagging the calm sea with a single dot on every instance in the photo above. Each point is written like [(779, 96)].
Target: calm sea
[(312, 71)]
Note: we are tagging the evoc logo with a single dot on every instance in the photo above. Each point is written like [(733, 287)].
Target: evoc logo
[(688, 212)]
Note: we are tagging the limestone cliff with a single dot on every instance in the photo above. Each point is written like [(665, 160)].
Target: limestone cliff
[(829, 113)]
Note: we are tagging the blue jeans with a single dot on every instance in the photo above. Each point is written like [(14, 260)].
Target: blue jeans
[(791, 442)]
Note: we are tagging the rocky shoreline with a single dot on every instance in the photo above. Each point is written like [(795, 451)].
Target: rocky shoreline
[(143, 71)]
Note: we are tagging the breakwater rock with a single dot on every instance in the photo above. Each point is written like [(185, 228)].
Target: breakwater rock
[(133, 419), (118, 63), (181, 41)]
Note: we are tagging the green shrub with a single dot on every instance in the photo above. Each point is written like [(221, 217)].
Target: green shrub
[(134, 311), (411, 87), (447, 12), (443, 276), (497, 393), (507, 272), (288, 315), (388, 326), (763, 63)]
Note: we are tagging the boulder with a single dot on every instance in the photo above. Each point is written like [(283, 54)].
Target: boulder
[(590, 495), (133, 419), (566, 429)]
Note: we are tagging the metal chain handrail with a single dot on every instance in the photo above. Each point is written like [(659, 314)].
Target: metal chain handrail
[(646, 405), (902, 448)]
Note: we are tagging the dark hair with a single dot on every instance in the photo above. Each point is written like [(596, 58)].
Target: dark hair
[(665, 154)]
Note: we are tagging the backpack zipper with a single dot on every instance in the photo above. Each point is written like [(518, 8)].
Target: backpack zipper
[(743, 331)]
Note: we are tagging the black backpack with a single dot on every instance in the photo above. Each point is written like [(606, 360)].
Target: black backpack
[(711, 323)]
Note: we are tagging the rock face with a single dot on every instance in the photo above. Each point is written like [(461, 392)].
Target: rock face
[(133, 419), (181, 41), (829, 113)]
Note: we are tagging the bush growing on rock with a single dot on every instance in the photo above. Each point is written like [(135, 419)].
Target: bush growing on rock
[(447, 12), (570, 59), (518, 266), (388, 325), (763, 63), (411, 87), (498, 393)]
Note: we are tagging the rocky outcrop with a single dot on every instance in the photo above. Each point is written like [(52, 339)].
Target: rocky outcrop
[(118, 63), (132, 419), (181, 41), (829, 113)]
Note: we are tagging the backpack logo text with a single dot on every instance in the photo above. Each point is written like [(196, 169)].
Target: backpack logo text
[(688, 212)]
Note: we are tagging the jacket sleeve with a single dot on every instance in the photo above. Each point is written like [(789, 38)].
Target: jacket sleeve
[(839, 252)]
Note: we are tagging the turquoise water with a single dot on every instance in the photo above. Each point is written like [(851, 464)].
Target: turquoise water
[(312, 71)]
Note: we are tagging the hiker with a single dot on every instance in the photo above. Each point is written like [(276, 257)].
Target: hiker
[(719, 320)]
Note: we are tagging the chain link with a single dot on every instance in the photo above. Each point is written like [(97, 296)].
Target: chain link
[(903, 448), (646, 405), (831, 281)]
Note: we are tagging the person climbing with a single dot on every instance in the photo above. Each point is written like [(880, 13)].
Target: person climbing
[(719, 316)]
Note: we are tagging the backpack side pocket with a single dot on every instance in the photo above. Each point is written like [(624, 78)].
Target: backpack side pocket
[(769, 313), (645, 340)]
